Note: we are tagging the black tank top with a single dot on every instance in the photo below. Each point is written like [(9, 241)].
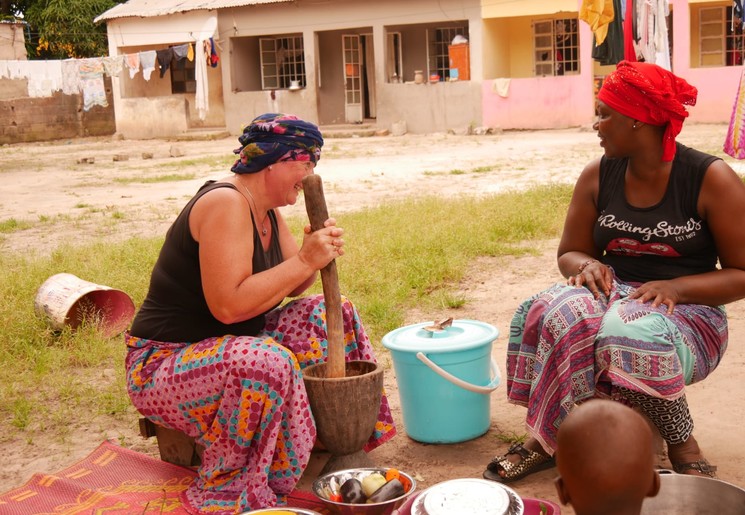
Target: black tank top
[(175, 309), (663, 241)]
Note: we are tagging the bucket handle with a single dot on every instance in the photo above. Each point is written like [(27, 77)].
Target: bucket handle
[(493, 384)]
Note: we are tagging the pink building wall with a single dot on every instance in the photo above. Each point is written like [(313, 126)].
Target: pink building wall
[(717, 86), (544, 102), (568, 101)]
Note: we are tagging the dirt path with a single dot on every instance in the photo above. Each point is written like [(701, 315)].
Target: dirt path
[(61, 200)]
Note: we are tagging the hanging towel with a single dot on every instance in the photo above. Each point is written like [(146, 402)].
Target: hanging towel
[(18, 69), (71, 77), (113, 66), (91, 79), (201, 99), (133, 63), (734, 145), (598, 14), (501, 87), (190, 53), (45, 77), (147, 61), (165, 57)]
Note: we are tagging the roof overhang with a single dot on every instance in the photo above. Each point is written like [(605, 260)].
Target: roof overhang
[(153, 8)]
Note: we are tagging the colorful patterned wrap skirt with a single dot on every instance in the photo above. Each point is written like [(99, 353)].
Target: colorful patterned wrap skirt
[(243, 399), (566, 347)]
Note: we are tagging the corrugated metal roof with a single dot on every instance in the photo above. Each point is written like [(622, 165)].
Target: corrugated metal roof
[(148, 8)]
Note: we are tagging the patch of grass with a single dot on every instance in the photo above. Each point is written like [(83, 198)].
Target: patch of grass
[(172, 177), (511, 437), (401, 255), (482, 169), (12, 225), (221, 162)]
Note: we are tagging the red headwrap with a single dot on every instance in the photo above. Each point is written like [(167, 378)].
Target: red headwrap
[(650, 94)]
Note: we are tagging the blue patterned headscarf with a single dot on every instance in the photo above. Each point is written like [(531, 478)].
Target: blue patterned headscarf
[(274, 137)]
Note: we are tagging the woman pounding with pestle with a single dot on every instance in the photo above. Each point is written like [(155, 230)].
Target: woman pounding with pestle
[(211, 354)]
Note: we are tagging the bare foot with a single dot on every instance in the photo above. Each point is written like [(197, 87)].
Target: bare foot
[(687, 458)]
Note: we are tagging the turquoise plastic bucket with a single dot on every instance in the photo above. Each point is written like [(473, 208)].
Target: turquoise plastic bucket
[(445, 378)]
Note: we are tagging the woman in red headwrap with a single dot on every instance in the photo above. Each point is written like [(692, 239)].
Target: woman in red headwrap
[(653, 247), (214, 351)]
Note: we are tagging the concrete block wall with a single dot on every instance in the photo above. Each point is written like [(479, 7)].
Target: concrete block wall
[(24, 119)]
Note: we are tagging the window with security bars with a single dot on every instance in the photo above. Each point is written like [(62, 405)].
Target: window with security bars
[(438, 42), (556, 47), (721, 37), (282, 62)]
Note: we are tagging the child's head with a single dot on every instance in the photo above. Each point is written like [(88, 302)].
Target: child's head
[(605, 458)]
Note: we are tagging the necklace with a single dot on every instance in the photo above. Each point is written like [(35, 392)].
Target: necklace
[(263, 228)]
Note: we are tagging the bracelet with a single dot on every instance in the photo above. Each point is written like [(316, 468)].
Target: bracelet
[(585, 265)]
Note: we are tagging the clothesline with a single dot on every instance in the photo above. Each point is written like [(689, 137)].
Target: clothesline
[(86, 76)]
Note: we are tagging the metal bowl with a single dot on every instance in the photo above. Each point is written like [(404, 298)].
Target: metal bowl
[(695, 495), (332, 483), (477, 489)]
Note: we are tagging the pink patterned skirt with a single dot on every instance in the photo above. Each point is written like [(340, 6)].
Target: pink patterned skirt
[(243, 399)]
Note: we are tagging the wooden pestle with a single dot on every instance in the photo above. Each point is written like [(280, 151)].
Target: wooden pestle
[(315, 205)]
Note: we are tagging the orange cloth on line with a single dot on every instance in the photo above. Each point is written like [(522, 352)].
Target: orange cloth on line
[(598, 14), (190, 53)]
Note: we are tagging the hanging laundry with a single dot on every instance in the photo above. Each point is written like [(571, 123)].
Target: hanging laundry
[(179, 56), (147, 61), (190, 53), (501, 87), (661, 42), (165, 57), (646, 16), (4, 69), (45, 77), (113, 66), (214, 58), (207, 49), (201, 97), (18, 69), (71, 77), (91, 79), (611, 50), (597, 14), (133, 63), (629, 32), (737, 12), (180, 51), (734, 144)]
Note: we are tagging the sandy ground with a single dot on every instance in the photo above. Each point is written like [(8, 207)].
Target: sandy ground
[(60, 199)]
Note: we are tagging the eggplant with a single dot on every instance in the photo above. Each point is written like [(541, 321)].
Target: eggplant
[(351, 492), (392, 489)]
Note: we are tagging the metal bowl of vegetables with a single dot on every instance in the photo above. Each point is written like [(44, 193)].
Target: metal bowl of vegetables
[(364, 491)]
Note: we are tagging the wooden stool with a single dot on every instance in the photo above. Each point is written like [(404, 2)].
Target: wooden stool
[(174, 446)]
